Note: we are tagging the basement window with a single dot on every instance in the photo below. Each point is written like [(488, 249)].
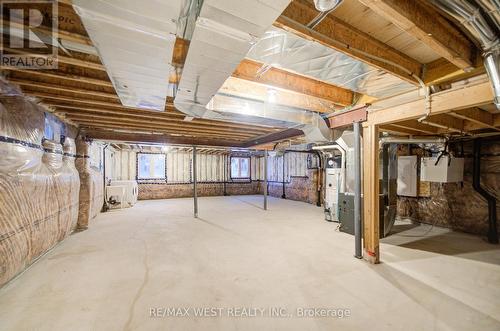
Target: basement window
[(240, 168), (150, 166)]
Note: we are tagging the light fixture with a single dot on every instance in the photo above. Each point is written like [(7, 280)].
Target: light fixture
[(271, 95)]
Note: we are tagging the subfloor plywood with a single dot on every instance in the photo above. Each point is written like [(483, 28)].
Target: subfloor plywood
[(156, 255)]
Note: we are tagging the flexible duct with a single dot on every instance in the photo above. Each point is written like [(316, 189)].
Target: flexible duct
[(484, 28), (222, 37), (326, 5), (325, 8)]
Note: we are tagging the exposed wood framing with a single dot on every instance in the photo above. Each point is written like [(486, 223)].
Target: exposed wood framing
[(340, 36), (248, 70), (153, 138), (478, 117), (427, 25), (371, 193), (467, 96), (441, 71)]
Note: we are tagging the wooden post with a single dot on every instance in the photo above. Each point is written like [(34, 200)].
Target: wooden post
[(371, 193)]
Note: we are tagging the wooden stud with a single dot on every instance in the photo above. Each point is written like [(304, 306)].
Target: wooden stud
[(371, 216)]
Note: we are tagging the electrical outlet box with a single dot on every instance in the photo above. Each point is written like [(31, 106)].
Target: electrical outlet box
[(447, 170)]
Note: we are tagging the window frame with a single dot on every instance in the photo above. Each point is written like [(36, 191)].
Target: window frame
[(164, 178), (249, 168)]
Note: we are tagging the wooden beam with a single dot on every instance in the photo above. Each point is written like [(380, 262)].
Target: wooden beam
[(85, 118), (141, 128), (371, 216), (415, 127), (61, 88), (442, 71), (161, 117), (446, 123), (344, 38), (347, 118), (248, 89), (479, 117), (63, 76), (462, 97), (280, 78), (153, 116), (273, 137), (392, 128), (427, 25)]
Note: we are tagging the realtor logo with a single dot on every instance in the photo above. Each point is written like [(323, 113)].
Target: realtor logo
[(28, 34)]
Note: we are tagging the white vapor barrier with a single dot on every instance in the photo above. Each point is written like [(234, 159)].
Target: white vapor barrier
[(295, 166), (122, 165)]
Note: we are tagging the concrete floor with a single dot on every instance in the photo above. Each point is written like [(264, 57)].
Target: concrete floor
[(155, 255)]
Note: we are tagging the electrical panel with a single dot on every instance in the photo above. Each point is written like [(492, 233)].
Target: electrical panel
[(442, 170), (407, 176)]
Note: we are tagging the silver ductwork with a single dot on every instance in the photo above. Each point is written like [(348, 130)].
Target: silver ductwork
[(483, 22), (325, 7), (222, 34)]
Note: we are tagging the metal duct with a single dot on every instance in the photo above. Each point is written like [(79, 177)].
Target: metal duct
[(223, 33), (325, 8), (326, 5), (484, 28), (135, 41)]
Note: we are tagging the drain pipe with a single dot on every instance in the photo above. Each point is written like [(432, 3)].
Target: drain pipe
[(476, 183), (283, 196), (319, 179), (397, 140), (105, 205)]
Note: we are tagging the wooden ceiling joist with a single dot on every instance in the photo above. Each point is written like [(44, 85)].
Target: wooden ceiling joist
[(280, 78), (478, 117), (80, 118), (155, 138), (34, 87), (427, 25), (344, 38), (141, 128), (61, 76)]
